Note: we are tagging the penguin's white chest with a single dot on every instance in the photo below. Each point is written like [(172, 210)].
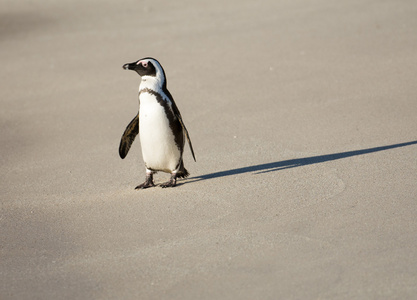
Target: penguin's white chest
[(159, 149)]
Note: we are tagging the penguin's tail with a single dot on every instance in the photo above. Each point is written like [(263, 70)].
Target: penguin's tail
[(182, 172)]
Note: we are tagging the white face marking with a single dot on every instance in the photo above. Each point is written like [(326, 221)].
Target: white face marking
[(160, 76)]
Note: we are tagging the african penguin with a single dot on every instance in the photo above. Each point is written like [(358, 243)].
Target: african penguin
[(159, 124)]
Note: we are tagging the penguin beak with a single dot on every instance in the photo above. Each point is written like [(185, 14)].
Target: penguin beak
[(131, 66)]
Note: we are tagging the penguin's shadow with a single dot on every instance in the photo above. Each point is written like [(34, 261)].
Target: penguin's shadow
[(298, 162)]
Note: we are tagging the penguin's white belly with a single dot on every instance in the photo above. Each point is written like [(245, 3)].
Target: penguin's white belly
[(159, 150)]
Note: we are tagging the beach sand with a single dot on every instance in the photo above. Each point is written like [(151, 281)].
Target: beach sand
[(303, 118)]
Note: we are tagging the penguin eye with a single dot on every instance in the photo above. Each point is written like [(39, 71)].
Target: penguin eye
[(145, 64)]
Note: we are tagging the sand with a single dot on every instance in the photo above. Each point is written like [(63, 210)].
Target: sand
[(303, 118)]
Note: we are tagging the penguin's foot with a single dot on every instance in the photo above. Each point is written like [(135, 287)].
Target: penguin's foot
[(144, 185), (148, 183), (171, 183)]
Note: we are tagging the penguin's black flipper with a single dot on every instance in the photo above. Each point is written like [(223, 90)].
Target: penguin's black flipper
[(128, 137), (178, 115), (187, 136)]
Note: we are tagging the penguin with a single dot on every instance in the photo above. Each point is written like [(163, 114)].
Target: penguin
[(159, 124)]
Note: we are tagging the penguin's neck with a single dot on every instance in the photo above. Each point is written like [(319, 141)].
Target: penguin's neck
[(151, 83)]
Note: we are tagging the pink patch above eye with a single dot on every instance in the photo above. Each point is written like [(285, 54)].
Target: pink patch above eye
[(143, 63)]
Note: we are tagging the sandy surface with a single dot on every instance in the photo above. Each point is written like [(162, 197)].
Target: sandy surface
[(303, 117)]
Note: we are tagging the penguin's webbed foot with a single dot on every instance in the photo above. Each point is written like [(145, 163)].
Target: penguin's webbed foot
[(171, 183), (148, 183), (144, 185)]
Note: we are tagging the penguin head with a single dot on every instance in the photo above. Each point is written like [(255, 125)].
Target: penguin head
[(148, 68)]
